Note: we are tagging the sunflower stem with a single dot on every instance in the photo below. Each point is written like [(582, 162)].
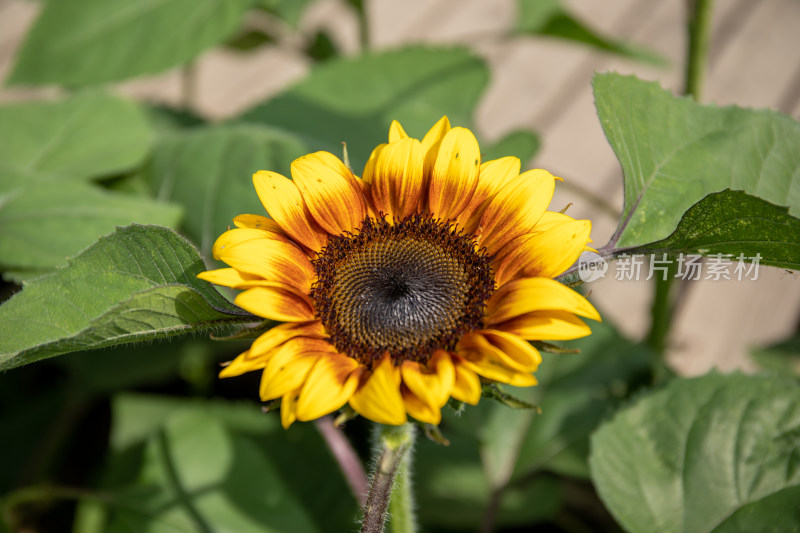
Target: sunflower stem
[(390, 491)]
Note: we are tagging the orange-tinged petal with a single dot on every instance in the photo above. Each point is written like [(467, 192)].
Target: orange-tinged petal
[(516, 208), (396, 132), (286, 372), (284, 203), (397, 180), (328, 386), (289, 408), (378, 398), (432, 141), (419, 409), (526, 295), (244, 362), (454, 175), (493, 176), (276, 304), (432, 382), (467, 385), (546, 326), (270, 259), (330, 191), (545, 254), (282, 333)]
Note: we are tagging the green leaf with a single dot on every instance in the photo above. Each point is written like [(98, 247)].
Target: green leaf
[(736, 224), (222, 464), (551, 18), (88, 135), (354, 100), (209, 172), (674, 152), (711, 454), (136, 284), (287, 10), (43, 224), (84, 42)]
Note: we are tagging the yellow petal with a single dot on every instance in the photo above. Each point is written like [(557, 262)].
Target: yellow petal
[(269, 259), (432, 141), (397, 180), (282, 333), (396, 132), (369, 168), (516, 208), (276, 304), (513, 351), (467, 386), (526, 295), (257, 222), (419, 409), (546, 326), (284, 203), (454, 176), (543, 254), (285, 372), (431, 383), (330, 191), (481, 357), (328, 386), (244, 362), (289, 409), (493, 176), (378, 397)]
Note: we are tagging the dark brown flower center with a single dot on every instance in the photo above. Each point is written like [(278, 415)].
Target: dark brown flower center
[(407, 288)]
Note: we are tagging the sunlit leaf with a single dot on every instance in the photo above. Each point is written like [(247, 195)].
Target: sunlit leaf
[(84, 42), (711, 454), (674, 152), (136, 284), (735, 224)]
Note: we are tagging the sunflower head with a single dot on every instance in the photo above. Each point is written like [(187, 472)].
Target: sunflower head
[(405, 287)]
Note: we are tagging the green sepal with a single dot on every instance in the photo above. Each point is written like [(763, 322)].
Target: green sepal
[(494, 392)]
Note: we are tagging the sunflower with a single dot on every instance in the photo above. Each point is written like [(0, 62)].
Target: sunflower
[(405, 287)]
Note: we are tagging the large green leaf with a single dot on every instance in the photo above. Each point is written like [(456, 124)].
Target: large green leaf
[(136, 284), (736, 224), (674, 152), (218, 466), (354, 100), (88, 135), (83, 42), (209, 172), (551, 18), (43, 224), (711, 454)]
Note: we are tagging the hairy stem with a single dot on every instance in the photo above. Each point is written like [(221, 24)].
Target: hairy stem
[(391, 485)]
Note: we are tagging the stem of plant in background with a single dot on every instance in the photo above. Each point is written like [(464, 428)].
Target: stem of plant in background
[(699, 30), (390, 486)]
